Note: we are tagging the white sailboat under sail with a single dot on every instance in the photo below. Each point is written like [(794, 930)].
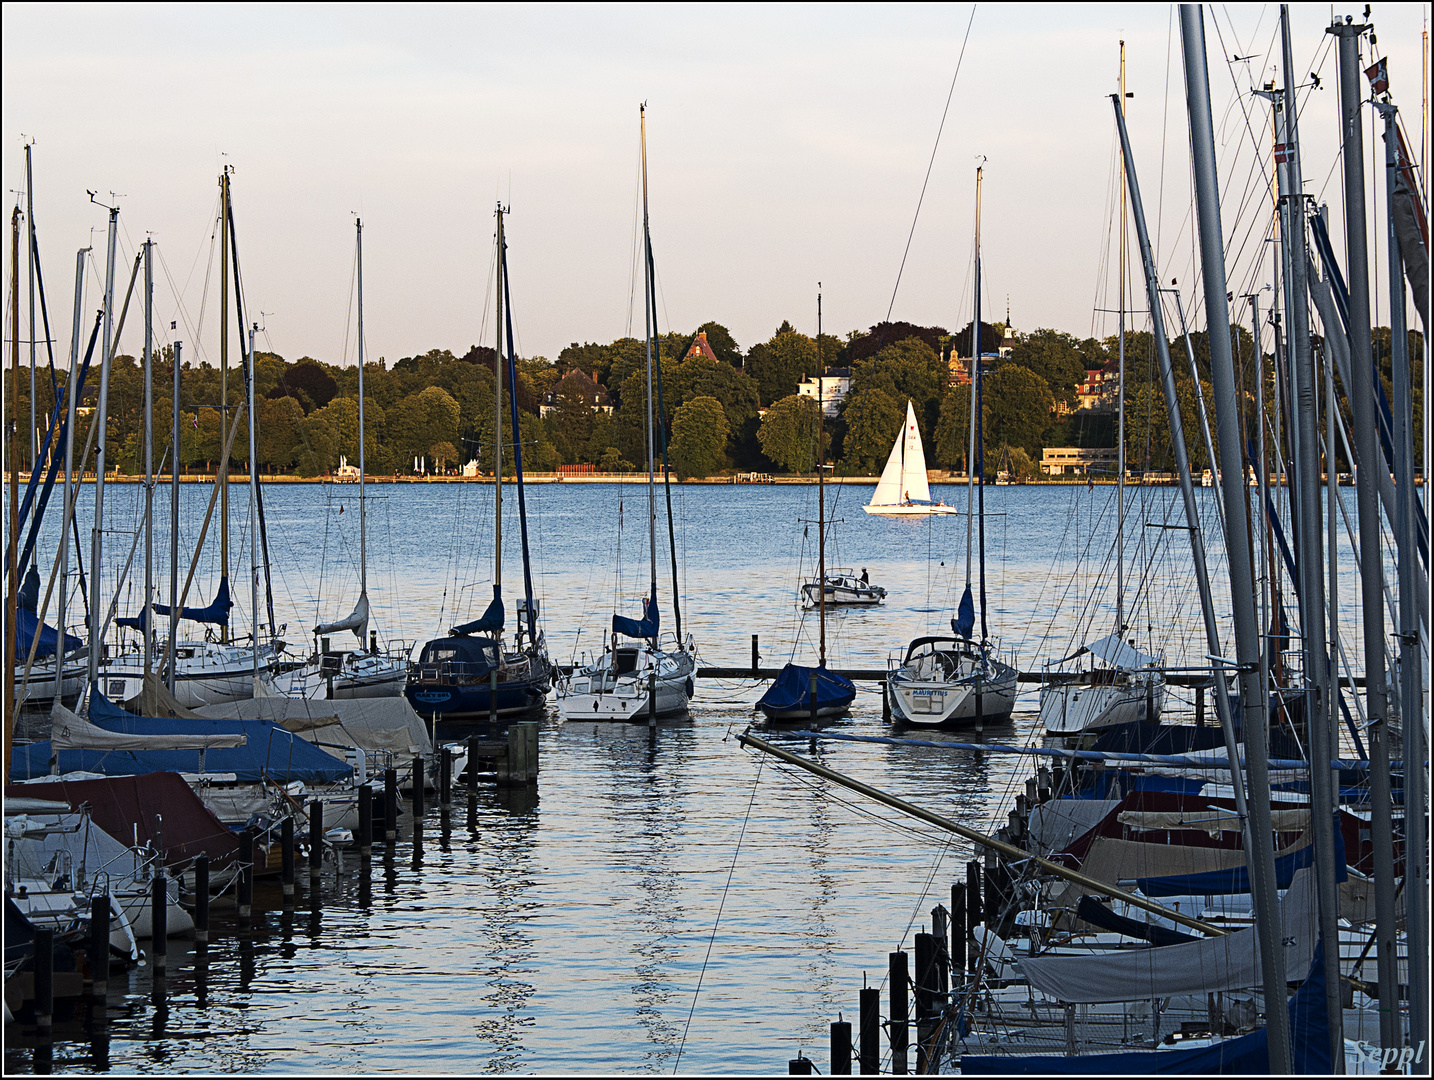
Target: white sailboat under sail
[(902, 489)]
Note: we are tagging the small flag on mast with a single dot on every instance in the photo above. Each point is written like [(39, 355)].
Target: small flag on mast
[(1378, 74)]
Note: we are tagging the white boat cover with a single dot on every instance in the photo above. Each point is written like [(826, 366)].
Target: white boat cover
[(70, 732), (385, 724), (1231, 962), (1119, 654), (357, 621), (1055, 824), (904, 477), (1212, 820)]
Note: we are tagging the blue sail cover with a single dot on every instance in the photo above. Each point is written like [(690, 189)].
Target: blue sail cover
[(271, 751), (646, 627), (1246, 1055), (135, 622), (792, 690), (1237, 878), (216, 612), (25, 625), (965, 620), (490, 623)]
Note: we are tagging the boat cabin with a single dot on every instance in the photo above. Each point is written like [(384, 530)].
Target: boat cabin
[(458, 657)]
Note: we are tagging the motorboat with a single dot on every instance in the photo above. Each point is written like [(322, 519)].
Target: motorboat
[(842, 588)]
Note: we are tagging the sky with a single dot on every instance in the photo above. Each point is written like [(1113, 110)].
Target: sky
[(787, 145)]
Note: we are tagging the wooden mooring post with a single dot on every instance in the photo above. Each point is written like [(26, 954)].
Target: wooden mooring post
[(44, 983), (364, 839), (201, 899), (246, 874), (159, 921), (898, 982), (316, 843), (841, 1049), (417, 776), (100, 947), (869, 1031)]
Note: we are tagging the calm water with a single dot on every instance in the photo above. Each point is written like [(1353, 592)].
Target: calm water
[(568, 931)]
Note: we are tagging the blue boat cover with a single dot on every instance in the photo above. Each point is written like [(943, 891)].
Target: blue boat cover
[(646, 627), (1237, 879), (28, 597), (490, 623), (965, 620), (1246, 1055), (217, 612), (25, 626), (793, 687), (135, 622), (1093, 911), (272, 751)]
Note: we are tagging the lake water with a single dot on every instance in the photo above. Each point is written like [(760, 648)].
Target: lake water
[(568, 931)]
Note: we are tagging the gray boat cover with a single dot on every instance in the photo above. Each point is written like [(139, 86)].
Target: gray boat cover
[(383, 724), (1230, 962), (71, 732)]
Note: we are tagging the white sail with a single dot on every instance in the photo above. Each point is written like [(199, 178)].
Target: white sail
[(357, 621), (904, 478)]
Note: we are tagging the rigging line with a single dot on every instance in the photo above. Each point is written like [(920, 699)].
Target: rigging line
[(717, 922), (949, 94)]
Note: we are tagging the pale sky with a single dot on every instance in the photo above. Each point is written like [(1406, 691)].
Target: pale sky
[(786, 146)]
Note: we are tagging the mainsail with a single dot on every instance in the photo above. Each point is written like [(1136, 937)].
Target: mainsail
[(904, 478)]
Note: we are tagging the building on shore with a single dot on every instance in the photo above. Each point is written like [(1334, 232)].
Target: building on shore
[(1078, 460), (835, 385)]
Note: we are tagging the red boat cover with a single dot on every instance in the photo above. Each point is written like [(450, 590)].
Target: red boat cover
[(120, 805)]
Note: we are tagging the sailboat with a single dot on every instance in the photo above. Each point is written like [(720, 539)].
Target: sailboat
[(470, 673), (945, 680), (801, 692), (362, 673), (902, 489), (628, 680)]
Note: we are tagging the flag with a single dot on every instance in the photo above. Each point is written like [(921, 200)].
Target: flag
[(194, 421), (1378, 74), (1284, 153)]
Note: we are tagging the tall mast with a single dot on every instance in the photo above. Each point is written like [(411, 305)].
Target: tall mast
[(147, 629), (12, 585), (173, 520), (650, 332), (498, 424), (101, 459), (223, 381), (971, 384), (66, 522), (363, 509), (30, 236), (1120, 392), (980, 435), (253, 501), (1253, 705), (821, 496)]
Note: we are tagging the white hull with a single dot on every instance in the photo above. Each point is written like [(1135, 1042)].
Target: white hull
[(909, 509), (843, 595), (41, 686), (596, 692), (1071, 708), (925, 699), (212, 674), (360, 677)]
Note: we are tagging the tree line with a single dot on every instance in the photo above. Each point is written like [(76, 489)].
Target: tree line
[(718, 409)]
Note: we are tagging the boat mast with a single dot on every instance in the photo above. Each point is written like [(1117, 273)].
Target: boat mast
[(1120, 397), (363, 509), (147, 628), (173, 517), (253, 503), (101, 461), (67, 521), (223, 381), (980, 430), (13, 574), (498, 424), (30, 236), (971, 435), (518, 456), (821, 498), (648, 330)]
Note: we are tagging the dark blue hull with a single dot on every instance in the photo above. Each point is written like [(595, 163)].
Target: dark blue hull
[(472, 701)]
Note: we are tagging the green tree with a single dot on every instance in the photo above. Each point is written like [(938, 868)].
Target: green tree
[(318, 445), (1017, 408), (420, 420), (953, 429), (910, 368), (788, 435), (699, 434), (701, 377), (721, 342), (777, 365), (1056, 357), (279, 433), (873, 419)]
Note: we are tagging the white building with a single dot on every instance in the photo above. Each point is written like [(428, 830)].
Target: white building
[(835, 385)]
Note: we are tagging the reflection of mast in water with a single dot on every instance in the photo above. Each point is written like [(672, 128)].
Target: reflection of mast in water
[(503, 861), (819, 938)]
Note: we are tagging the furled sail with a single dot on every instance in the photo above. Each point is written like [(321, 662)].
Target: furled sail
[(490, 623), (216, 612), (26, 626), (357, 621), (965, 620), (646, 627)]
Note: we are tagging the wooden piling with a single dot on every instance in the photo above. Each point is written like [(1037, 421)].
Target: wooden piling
[(44, 978), (286, 858), (472, 764), (841, 1049), (417, 798), (246, 874), (960, 933), (445, 775), (941, 932), (365, 824), (100, 946), (754, 656), (925, 1000), (159, 921), (898, 981), (799, 1066), (869, 1021), (1199, 706), (973, 895), (885, 703), (390, 805), (201, 899), (316, 843)]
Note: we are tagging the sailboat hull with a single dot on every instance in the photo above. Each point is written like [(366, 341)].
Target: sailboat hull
[(212, 674), (910, 510), (596, 692), (1071, 708), (920, 700)]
